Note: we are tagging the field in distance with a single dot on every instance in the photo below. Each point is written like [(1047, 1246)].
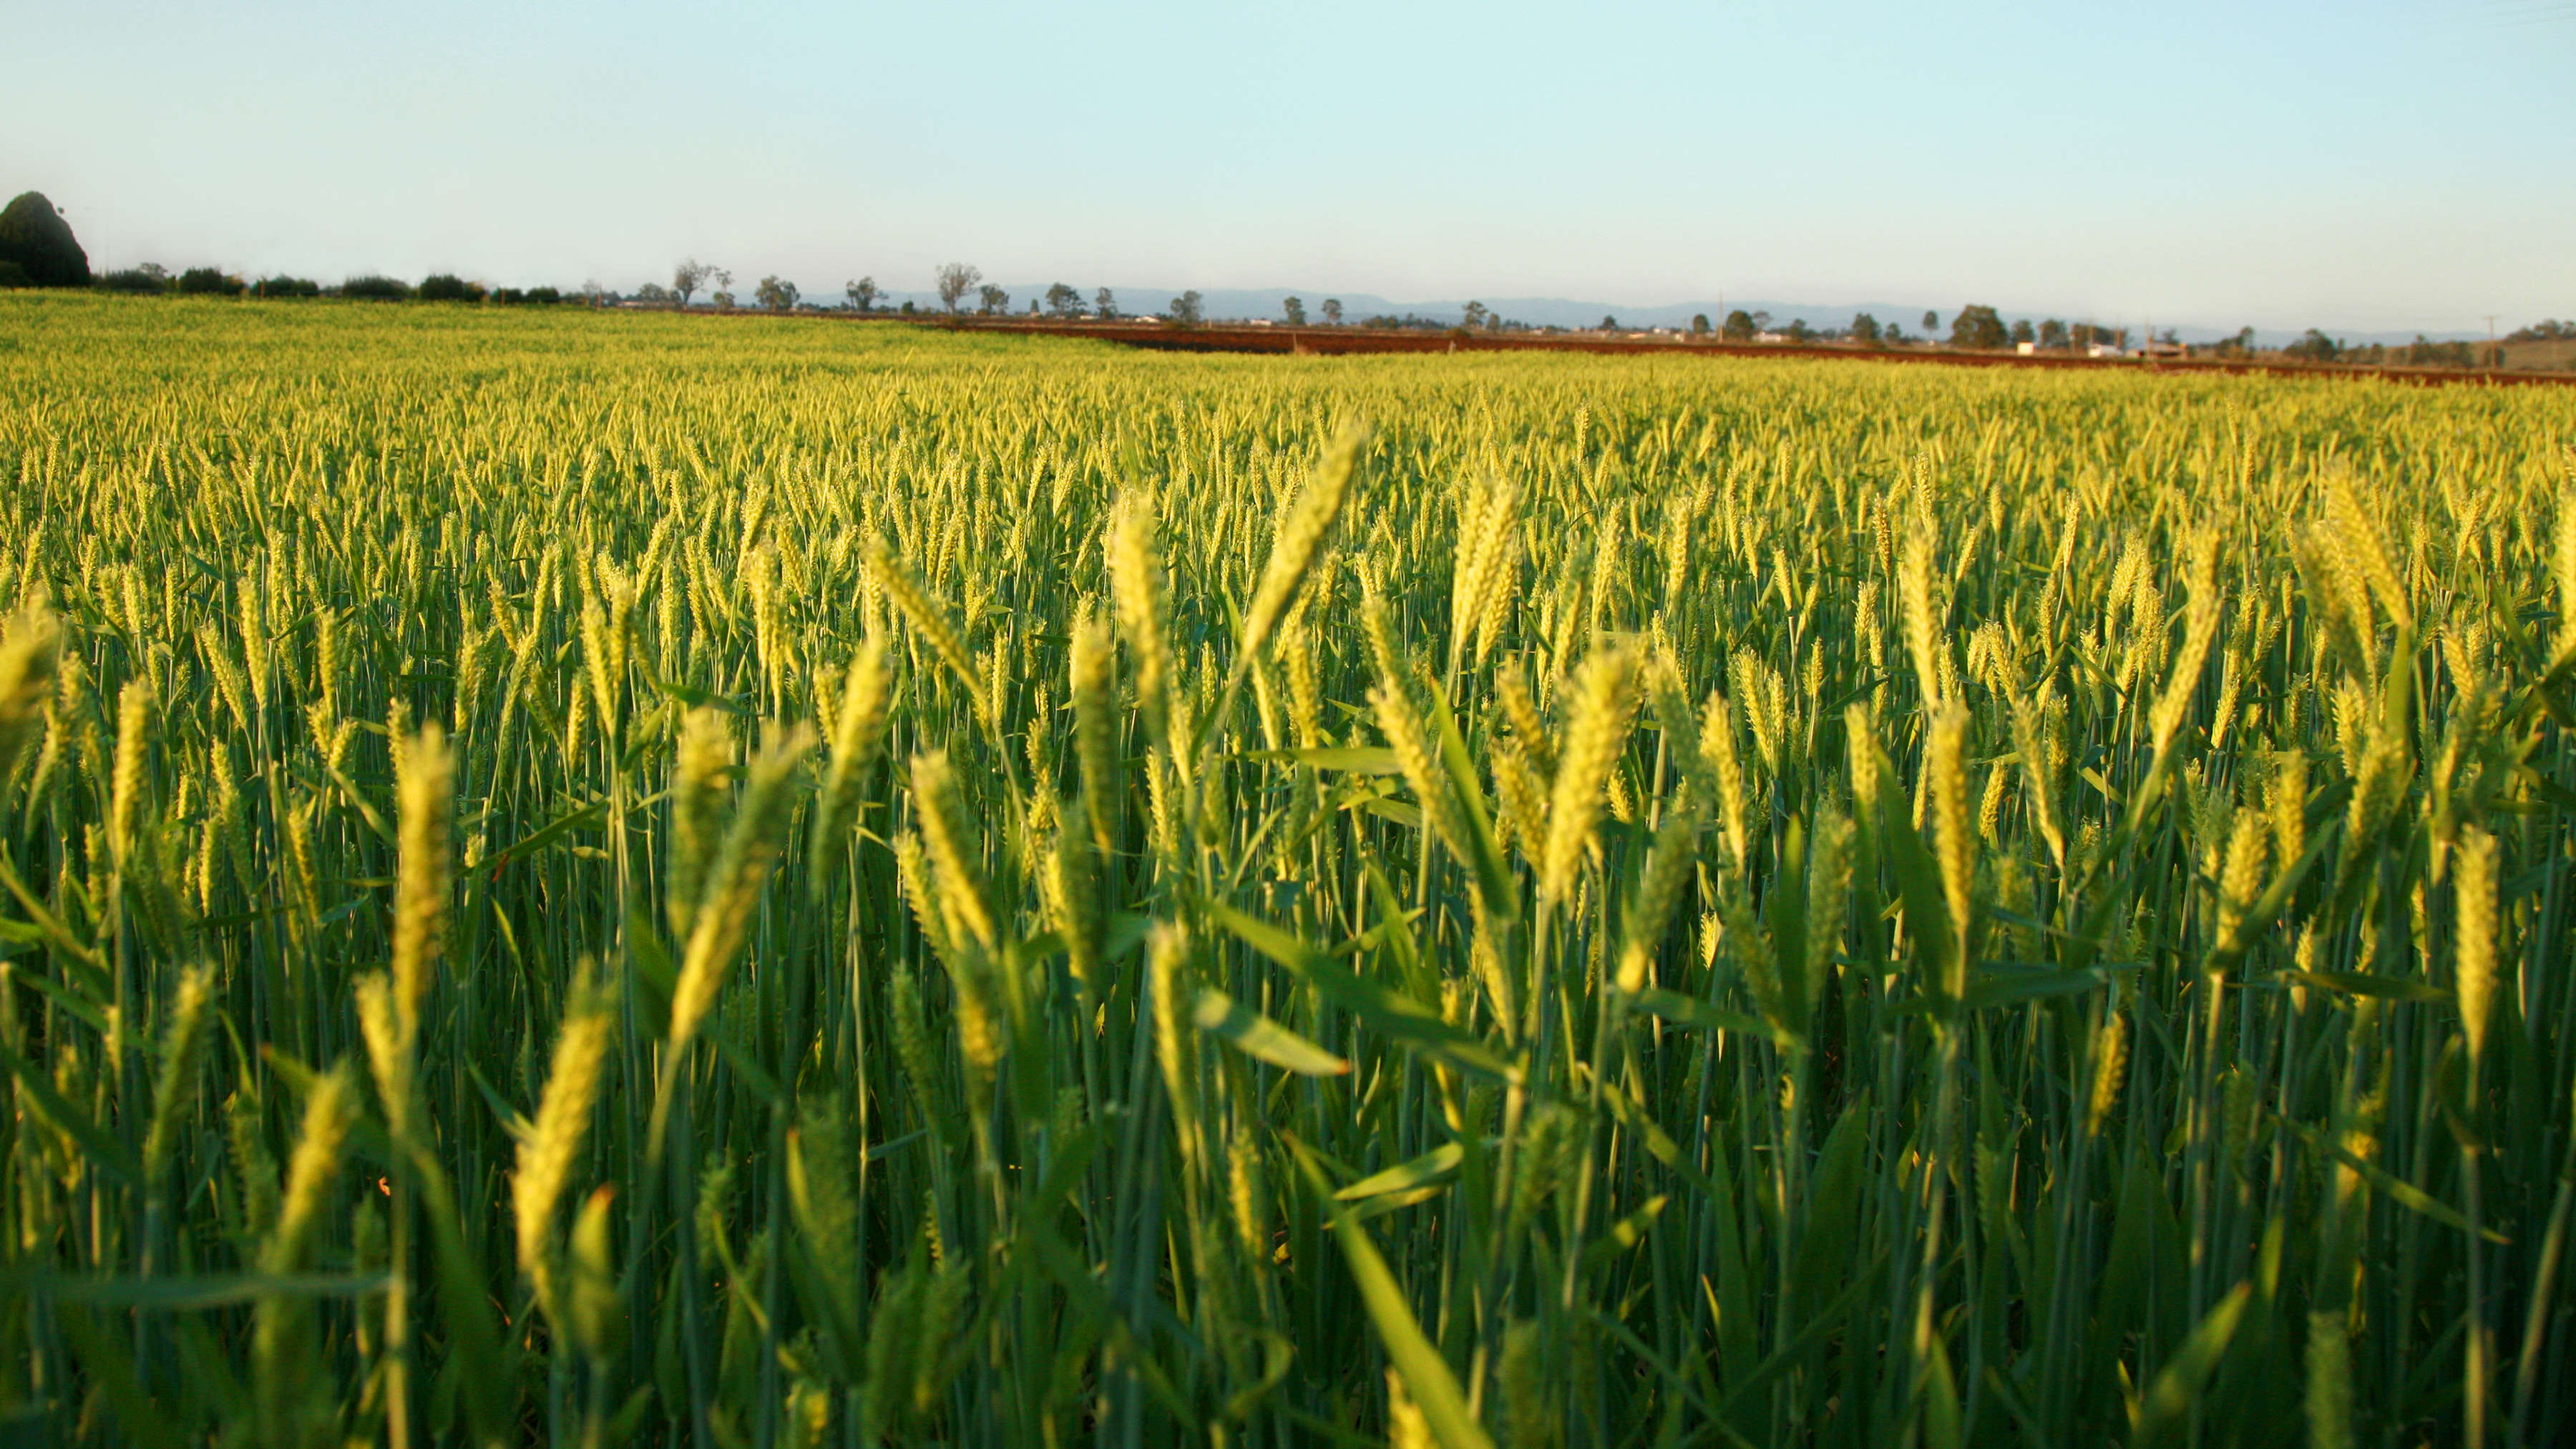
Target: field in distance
[(599, 877)]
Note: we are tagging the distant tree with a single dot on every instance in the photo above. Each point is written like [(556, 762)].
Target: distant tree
[(449, 287), (375, 289), (1761, 322), (1187, 310), (148, 279), (688, 277), (1864, 330), (544, 296), (2052, 335), (2314, 346), (2543, 331), (2022, 331), (1609, 323), (1931, 323), (1104, 306), (1033, 306), (909, 308), (209, 282), (1738, 326), (34, 235), (1476, 314), (1977, 326), (722, 296), (1064, 302), (956, 279), (2425, 352), (1295, 308), (509, 296), (14, 276), (993, 300), (1699, 324), (657, 294), (1332, 311), (285, 286), (1799, 332), (776, 294), (862, 294)]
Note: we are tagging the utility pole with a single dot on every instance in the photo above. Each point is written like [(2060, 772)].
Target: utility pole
[(2495, 353)]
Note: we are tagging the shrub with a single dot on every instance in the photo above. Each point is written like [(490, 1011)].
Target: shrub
[(285, 286), (545, 296), (2315, 346), (375, 289), (2424, 352), (209, 282), (136, 279), (449, 287), (34, 235), (509, 296)]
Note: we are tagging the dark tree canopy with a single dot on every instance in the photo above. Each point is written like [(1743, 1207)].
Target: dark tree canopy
[(34, 235), (1977, 326), (2314, 346), (448, 287)]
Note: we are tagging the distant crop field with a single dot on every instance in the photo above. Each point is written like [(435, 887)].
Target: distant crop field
[(601, 879)]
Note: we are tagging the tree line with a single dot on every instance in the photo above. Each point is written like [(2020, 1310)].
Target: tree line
[(39, 249)]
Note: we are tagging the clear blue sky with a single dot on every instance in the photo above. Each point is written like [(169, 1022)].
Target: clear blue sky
[(2374, 164)]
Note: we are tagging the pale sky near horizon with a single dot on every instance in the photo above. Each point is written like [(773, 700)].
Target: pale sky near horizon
[(2377, 165)]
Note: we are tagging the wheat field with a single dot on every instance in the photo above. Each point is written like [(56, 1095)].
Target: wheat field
[(615, 879)]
